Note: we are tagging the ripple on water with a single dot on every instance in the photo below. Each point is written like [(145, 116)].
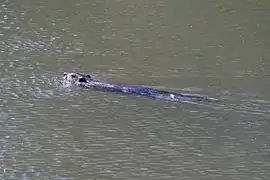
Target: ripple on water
[(52, 132)]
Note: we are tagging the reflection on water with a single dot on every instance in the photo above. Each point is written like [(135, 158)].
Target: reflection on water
[(217, 48)]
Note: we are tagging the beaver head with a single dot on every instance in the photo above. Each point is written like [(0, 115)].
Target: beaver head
[(76, 78)]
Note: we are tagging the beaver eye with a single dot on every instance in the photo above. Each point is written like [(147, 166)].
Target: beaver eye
[(73, 76)]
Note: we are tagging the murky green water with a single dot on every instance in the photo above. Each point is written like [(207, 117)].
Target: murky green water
[(216, 47)]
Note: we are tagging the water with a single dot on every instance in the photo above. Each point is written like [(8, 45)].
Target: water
[(215, 48)]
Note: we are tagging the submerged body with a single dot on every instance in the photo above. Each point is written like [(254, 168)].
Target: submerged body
[(87, 81)]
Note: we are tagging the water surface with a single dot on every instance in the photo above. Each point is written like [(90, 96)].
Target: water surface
[(217, 48)]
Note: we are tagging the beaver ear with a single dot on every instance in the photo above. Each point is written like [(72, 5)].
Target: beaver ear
[(89, 76), (82, 80)]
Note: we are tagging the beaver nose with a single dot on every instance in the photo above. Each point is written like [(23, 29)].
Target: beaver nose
[(65, 75)]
